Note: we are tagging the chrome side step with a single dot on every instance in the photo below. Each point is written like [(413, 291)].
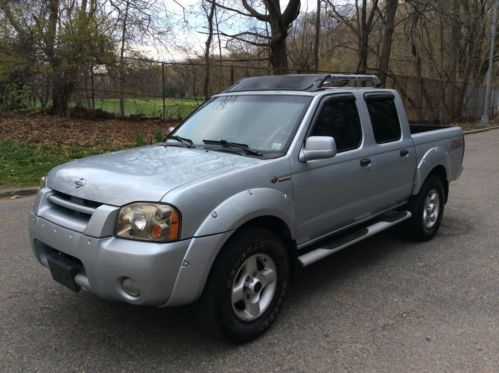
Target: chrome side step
[(385, 222)]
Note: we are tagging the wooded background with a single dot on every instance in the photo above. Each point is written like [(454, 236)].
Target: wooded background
[(57, 55)]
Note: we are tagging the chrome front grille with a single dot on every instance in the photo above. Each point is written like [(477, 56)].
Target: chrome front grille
[(68, 211), (74, 204), (93, 219)]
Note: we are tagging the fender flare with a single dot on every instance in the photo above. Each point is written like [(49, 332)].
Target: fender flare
[(217, 228), (433, 158), (245, 206)]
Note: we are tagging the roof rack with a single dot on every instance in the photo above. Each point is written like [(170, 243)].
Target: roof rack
[(348, 78), (298, 82)]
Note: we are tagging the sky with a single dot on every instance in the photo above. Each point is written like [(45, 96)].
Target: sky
[(187, 31)]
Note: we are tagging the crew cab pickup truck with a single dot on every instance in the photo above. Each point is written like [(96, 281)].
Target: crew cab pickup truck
[(273, 173)]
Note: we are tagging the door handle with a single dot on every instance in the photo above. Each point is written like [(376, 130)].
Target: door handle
[(366, 162), (404, 153)]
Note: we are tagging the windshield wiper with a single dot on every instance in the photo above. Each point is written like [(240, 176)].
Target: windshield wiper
[(183, 140), (229, 144)]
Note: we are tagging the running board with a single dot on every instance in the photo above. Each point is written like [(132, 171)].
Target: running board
[(385, 222)]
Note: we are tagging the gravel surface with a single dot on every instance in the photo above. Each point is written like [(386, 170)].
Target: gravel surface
[(385, 304)]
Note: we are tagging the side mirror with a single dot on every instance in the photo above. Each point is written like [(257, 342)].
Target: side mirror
[(170, 129), (318, 147)]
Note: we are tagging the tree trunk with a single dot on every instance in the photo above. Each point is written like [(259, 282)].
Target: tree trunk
[(61, 95), (221, 83), (418, 68), (454, 57), (209, 16), (278, 50), (317, 36), (386, 48), (279, 57), (365, 21), (61, 91), (122, 60), (363, 40)]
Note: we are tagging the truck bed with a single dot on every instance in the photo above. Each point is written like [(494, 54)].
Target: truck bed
[(418, 128), (450, 138)]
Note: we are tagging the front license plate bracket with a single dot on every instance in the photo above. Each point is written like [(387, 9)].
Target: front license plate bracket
[(63, 270)]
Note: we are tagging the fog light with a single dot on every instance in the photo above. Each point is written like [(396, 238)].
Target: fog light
[(130, 287)]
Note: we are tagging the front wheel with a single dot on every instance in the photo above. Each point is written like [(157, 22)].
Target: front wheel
[(246, 286), (427, 208)]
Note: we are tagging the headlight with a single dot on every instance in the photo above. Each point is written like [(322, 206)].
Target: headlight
[(43, 182), (148, 222)]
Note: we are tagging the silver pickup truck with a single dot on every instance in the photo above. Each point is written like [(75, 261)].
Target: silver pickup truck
[(274, 172)]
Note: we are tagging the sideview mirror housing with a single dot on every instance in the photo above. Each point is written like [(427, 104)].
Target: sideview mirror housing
[(318, 147)]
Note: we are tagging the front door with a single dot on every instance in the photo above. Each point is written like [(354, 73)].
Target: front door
[(332, 193)]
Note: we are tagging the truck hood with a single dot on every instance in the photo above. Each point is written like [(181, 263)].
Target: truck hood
[(141, 174)]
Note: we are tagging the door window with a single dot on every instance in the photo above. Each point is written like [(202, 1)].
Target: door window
[(339, 119), (384, 119)]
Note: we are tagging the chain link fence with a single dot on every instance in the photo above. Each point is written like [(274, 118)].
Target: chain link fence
[(441, 101), (165, 90), (171, 90)]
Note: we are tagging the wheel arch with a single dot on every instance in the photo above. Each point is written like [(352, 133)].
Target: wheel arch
[(277, 226), (268, 208), (274, 224), (441, 173), (436, 162)]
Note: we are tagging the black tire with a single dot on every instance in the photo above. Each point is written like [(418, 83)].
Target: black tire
[(416, 227), (215, 309)]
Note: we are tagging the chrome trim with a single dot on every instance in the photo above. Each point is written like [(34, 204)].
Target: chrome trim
[(320, 253), (364, 218), (71, 205)]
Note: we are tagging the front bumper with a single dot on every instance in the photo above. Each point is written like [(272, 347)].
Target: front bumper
[(167, 274)]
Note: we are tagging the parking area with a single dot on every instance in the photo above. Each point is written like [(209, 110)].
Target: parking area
[(386, 304)]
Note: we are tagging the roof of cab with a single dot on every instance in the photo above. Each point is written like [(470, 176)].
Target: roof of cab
[(299, 82)]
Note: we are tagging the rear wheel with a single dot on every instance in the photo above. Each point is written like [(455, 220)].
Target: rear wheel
[(246, 286), (427, 208)]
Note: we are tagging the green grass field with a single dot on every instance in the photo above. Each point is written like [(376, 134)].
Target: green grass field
[(176, 108), (24, 164)]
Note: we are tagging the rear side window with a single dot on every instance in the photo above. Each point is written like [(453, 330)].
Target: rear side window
[(339, 119), (384, 119)]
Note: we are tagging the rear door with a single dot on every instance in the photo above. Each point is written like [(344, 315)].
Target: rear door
[(393, 152)]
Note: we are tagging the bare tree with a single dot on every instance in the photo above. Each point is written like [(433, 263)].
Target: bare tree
[(386, 46), (457, 57), (361, 24), (135, 21), (124, 25), (210, 14), (279, 22), (317, 35), (67, 37)]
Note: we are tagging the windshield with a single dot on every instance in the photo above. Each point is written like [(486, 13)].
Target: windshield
[(262, 122)]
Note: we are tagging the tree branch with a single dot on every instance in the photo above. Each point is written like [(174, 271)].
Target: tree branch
[(240, 38), (254, 13), (291, 12), (343, 18), (231, 9)]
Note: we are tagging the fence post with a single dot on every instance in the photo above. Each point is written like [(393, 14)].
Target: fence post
[(441, 103), (92, 87), (231, 74), (484, 121), (163, 93)]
